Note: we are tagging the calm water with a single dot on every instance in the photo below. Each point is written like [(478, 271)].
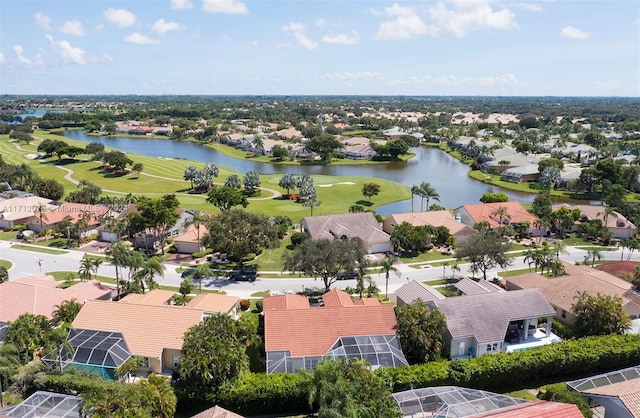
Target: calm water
[(446, 174)]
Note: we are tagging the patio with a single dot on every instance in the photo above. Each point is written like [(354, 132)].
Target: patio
[(538, 339)]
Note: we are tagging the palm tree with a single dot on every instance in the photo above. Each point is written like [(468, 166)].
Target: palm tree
[(86, 268), (415, 191), (190, 174), (134, 261), (202, 271), (593, 254), (151, 268), (387, 267), (196, 220), (41, 211), (429, 193), (133, 363), (66, 311), (608, 211), (117, 254), (502, 213)]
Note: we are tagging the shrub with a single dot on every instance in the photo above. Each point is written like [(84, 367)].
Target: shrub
[(202, 253), (559, 392), (245, 304), (297, 238), (259, 305)]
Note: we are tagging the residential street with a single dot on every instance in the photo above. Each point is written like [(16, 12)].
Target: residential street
[(30, 262)]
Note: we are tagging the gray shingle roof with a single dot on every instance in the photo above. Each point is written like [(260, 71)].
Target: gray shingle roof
[(413, 290), (487, 316), (363, 226), (471, 287)]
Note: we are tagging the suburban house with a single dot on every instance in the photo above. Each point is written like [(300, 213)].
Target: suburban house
[(148, 239), (615, 222), (436, 218), (479, 212), (483, 323), (363, 227), (289, 134), (469, 287), (39, 294), (520, 174), (413, 291), (217, 412), (110, 231), (146, 325), (561, 291), (460, 402), (19, 210), (618, 392), (91, 215), (357, 148), (190, 241), (300, 337)]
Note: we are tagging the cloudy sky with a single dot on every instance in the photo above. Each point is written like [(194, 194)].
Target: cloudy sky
[(321, 47)]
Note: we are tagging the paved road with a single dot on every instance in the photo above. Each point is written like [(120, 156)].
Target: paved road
[(29, 262)]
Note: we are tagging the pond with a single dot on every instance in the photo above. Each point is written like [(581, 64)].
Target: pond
[(446, 174)]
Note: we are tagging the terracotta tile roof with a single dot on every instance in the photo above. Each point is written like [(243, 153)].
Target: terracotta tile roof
[(483, 212), (73, 212), (217, 412), (628, 392), (191, 235), (367, 302), (486, 316), (413, 290), (213, 302), (155, 297), (433, 218), (535, 409), (592, 212), (560, 291), (285, 302), (18, 208), (311, 332), (337, 297), (147, 329), (618, 267), (39, 296)]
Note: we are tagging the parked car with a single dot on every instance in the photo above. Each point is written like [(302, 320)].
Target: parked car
[(348, 275), (24, 234), (243, 275), (189, 272)]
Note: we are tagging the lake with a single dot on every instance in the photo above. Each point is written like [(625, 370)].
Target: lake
[(446, 174)]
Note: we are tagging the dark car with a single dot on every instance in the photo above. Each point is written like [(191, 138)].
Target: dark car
[(243, 275), (348, 275), (189, 272)]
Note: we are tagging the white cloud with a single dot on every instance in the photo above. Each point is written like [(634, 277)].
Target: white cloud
[(42, 21), (255, 42), (104, 57), (224, 6), (120, 17), (67, 52), (321, 23), (73, 27), (343, 38), (161, 26), (99, 28), (20, 55), (362, 75), (298, 31), (504, 80), (573, 33), (2, 58), (181, 4), (464, 17), (405, 23), (138, 38), (531, 7)]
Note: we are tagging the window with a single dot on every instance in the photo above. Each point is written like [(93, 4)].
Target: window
[(564, 313), (491, 348)]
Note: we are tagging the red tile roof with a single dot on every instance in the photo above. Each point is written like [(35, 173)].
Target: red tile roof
[(311, 332), (536, 409), (285, 302), (484, 212), (337, 297)]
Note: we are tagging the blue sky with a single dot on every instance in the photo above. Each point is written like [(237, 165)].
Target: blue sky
[(321, 47)]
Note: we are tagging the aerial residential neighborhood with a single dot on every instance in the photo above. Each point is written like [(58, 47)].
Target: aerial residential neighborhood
[(312, 209)]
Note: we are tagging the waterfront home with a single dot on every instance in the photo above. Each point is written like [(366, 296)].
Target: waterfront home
[(614, 221), (436, 218)]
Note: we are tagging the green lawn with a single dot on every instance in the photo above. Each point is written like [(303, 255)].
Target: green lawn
[(44, 250), (8, 235), (6, 264), (596, 247), (510, 273)]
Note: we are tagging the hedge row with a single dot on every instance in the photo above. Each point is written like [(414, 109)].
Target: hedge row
[(283, 393)]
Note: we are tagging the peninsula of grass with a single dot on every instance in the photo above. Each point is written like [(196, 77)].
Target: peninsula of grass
[(165, 176), (38, 249), (6, 264)]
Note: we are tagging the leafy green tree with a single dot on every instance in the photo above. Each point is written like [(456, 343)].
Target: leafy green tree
[(545, 163), (279, 152), (145, 276), (311, 201), (356, 209), (4, 274), (599, 315), (494, 197), (226, 197), (370, 189), (288, 182), (233, 181), (202, 272), (542, 205), (190, 174), (160, 215), (9, 365), (117, 159), (28, 334), (589, 177), (213, 353), (251, 181), (397, 147), (48, 188), (635, 279), (323, 145), (324, 258), (93, 148), (138, 167), (594, 139), (239, 233), (563, 219), (66, 311), (348, 388), (420, 331), (484, 252)]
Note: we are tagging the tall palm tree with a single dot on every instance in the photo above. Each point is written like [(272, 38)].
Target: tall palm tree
[(387, 267), (593, 254), (502, 213), (415, 191), (41, 211), (429, 193), (606, 212), (96, 263), (203, 270), (151, 268), (117, 254), (86, 268), (197, 219), (66, 311)]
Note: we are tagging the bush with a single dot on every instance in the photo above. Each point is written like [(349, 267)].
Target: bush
[(297, 238), (202, 253), (259, 305), (245, 304), (559, 392)]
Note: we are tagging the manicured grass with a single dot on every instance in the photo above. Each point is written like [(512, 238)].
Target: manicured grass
[(510, 273), (259, 294), (575, 241), (596, 247), (38, 249), (8, 235), (6, 264), (435, 282), (432, 255), (56, 243), (522, 394)]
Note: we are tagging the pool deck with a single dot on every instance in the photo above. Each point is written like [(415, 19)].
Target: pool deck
[(537, 340)]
